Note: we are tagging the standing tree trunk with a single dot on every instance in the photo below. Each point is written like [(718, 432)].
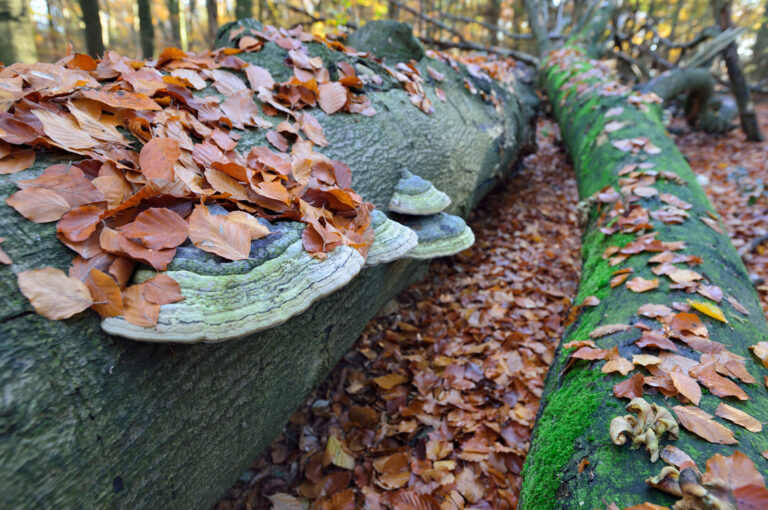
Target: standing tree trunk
[(146, 29), (173, 19), (493, 17), (760, 50), (211, 7), (94, 41), (243, 9), (17, 43), (739, 86), (615, 138)]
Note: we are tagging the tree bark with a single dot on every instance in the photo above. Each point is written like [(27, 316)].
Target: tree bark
[(760, 50), (146, 29), (493, 17), (572, 462), (739, 85), (173, 20), (211, 7), (94, 41), (95, 421), (17, 43)]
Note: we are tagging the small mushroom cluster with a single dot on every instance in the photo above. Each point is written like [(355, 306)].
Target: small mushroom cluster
[(421, 205), (279, 280), (646, 428)]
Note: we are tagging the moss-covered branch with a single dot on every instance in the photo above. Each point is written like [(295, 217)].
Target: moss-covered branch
[(616, 140)]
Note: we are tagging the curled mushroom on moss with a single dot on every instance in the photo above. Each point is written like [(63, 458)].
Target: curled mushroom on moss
[(646, 428)]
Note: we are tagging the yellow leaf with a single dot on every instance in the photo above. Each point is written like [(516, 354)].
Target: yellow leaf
[(336, 454), (708, 309)]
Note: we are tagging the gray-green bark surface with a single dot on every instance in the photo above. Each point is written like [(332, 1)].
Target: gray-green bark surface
[(94, 421), (578, 403)]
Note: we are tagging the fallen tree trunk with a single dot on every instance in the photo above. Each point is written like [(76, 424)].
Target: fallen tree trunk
[(629, 174), (93, 420)]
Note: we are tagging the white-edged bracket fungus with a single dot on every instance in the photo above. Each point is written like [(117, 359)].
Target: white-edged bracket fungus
[(440, 235), (393, 240), (225, 300), (417, 196)]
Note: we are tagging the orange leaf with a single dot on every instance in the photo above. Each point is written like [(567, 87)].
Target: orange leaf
[(608, 329), (16, 161), (53, 294), (78, 224), (122, 99), (630, 388), (700, 423), (158, 157), (157, 228), (161, 290), (138, 310), (686, 386), (738, 417), (39, 204), (221, 235), (640, 284), (108, 300), (332, 97)]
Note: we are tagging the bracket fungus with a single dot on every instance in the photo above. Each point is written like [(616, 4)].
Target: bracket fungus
[(646, 428), (226, 300), (417, 196), (393, 240), (440, 235)]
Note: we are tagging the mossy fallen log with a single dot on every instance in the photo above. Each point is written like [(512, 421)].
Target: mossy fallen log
[(91, 420), (629, 173)]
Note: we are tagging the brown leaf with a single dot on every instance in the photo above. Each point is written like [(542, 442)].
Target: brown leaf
[(652, 311), (608, 329), (621, 365), (39, 204), (107, 297), (78, 224), (4, 258), (640, 284), (688, 322), (700, 423), (227, 236), (157, 228), (332, 97), (389, 381), (630, 388), (158, 157), (16, 161), (138, 310), (53, 294), (738, 417), (686, 386), (64, 131), (122, 99), (718, 385), (161, 289)]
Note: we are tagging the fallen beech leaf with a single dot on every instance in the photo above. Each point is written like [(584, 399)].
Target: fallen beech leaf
[(688, 322), (684, 276), (700, 423), (223, 235), (590, 301), (645, 359), (740, 475), (283, 501), (760, 350), (588, 353), (157, 228), (259, 77), (336, 455), (332, 97), (652, 311), (389, 381), (737, 306), (138, 310), (608, 329), (712, 292), (718, 385), (674, 456), (53, 294), (579, 343), (16, 161), (630, 388), (158, 157), (658, 341), (78, 224), (161, 289), (621, 365), (39, 204), (713, 224), (738, 417), (107, 297), (64, 131), (686, 386), (122, 99), (640, 284), (708, 309), (618, 279)]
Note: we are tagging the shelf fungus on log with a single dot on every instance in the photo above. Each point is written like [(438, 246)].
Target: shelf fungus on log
[(440, 235), (393, 240), (417, 196), (225, 300)]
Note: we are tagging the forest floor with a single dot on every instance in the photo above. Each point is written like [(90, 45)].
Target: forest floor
[(433, 407)]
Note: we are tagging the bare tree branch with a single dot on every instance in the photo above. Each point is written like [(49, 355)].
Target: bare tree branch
[(465, 45)]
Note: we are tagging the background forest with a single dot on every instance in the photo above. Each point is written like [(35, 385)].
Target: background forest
[(650, 33)]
